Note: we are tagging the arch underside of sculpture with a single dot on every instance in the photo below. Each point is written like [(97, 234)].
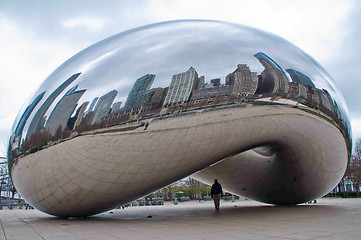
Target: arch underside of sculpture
[(273, 153)]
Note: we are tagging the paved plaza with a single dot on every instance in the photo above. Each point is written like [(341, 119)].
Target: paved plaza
[(328, 219)]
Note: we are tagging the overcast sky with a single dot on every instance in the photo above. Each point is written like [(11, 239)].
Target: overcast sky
[(37, 36)]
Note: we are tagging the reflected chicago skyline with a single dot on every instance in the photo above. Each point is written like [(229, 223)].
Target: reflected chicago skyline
[(219, 100), (186, 92)]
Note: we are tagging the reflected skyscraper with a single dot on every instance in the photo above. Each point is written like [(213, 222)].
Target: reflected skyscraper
[(273, 73), (300, 78), (216, 82), (91, 107), (329, 99), (116, 107), (244, 81), (213, 92), (71, 90), (294, 92), (38, 120), (303, 91), (264, 85), (138, 94), (76, 120), (181, 87), (20, 127), (63, 110), (200, 83), (325, 99), (102, 108)]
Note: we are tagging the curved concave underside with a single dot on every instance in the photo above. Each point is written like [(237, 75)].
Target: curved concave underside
[(297, 156)]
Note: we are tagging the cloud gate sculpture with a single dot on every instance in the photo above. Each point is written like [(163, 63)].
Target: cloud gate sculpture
[(152, 105)]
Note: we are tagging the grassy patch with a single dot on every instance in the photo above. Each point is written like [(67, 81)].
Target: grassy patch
[(319, 115)]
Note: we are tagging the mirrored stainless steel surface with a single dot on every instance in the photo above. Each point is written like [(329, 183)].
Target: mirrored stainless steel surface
[(152, 105)]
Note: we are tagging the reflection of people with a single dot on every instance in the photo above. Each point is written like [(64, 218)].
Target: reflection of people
[(146, 125), (216, 192)]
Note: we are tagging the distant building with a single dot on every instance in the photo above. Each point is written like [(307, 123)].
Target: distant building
[(62, 111), (303, 91), (116, 107), (300, 78), (139, 94), (157, 98), (21, 124), (297, 91), (102, 109), (88, 117), (38, 120), (229, 80), (200, 82), (244, 81), (273, 73), (205, 93), (325, 99), (207, 85), (264, 85), (71, 90), (294, 92), (79, 115), (92, 105), (181, 87), (216, 82), (313, 97), (329, 99), (337, 110)]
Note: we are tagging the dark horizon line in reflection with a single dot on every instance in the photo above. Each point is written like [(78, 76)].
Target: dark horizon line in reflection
[(186, 91)]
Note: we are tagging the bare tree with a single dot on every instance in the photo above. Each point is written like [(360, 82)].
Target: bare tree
[(4, 174), (353, 172), (3, 169)]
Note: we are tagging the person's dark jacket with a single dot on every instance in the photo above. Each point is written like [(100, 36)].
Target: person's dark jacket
[(216, 189)]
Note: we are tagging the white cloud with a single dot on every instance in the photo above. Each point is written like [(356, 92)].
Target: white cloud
[(89, 23), (17, 74), (314, 26), (356, 128), (26, 61)]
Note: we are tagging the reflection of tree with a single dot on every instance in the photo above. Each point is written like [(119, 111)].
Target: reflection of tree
[(191, 188), (167, 192), (36, 141), (83, 127), (61, 133), (4, 174), (57, 134), (353, 172), (41, 138)]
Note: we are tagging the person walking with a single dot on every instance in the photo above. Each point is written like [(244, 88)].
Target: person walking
[(216, 192)]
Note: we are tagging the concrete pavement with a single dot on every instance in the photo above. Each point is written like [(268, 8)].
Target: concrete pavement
[(328, 219)]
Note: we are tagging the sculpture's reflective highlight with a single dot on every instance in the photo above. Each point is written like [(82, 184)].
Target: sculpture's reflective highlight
[(223, 101)]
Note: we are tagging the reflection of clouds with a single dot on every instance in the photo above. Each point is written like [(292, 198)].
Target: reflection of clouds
[(86, 67), (213, 48)]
